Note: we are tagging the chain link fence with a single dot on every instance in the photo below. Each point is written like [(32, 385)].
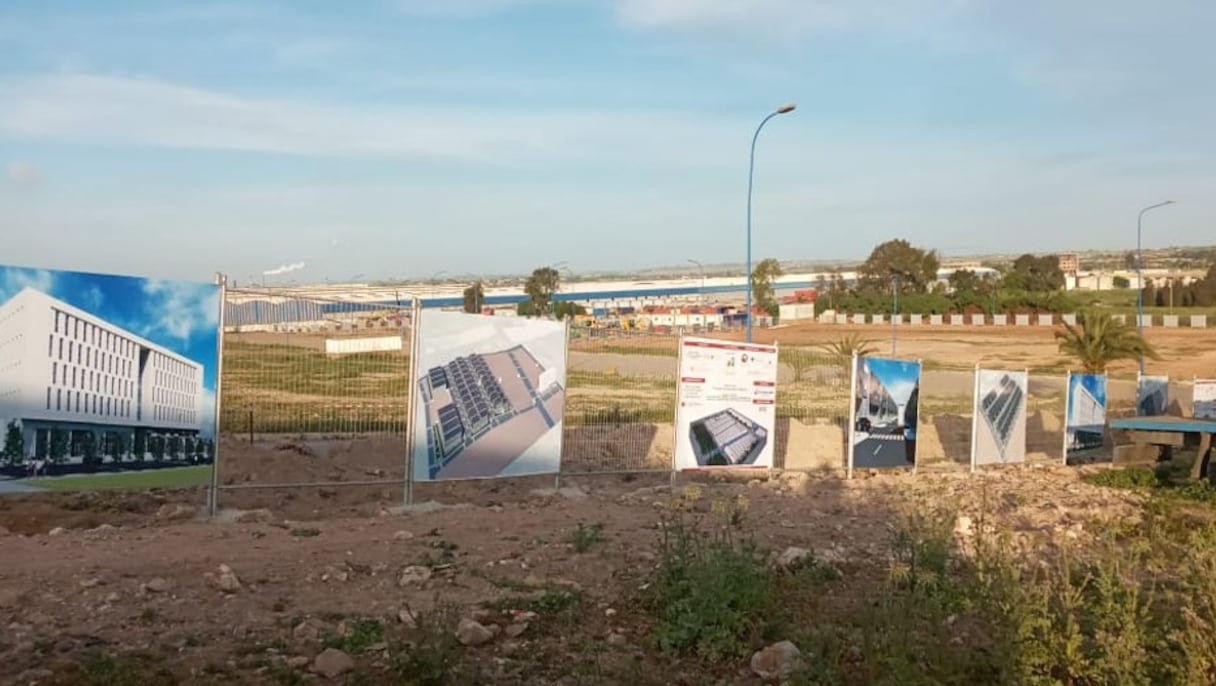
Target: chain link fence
[(313, 392)]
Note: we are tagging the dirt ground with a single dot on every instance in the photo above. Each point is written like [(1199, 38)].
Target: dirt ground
[(251, 597)]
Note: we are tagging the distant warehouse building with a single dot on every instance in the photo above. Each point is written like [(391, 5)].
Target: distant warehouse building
[(64, 369)]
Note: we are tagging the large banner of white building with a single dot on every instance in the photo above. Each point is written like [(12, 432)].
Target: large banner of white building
[(490, 396), (1204, 399), (726, 410), (105, 374), (999, 431), (1085, 416)]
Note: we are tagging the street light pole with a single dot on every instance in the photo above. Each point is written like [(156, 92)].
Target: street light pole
[(702, 268), (1140, 276), (751, 169), (894, 312)]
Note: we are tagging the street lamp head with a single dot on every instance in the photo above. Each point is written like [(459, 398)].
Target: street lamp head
[(786, 108)]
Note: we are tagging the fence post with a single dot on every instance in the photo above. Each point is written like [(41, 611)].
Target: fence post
[(213, 491)]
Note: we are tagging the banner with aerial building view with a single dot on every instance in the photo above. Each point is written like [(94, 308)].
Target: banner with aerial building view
[(103, 376), (884, 413), (490, 396), (998, 434), (1203, 399), (725, 405), (1085, 416)]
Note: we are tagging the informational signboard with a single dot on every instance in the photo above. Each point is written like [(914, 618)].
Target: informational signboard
[(726, 410), (103, 376), (999, 430), (1085, 415), (490, 396), (1152, 395), (1204, 398), (884, 413)]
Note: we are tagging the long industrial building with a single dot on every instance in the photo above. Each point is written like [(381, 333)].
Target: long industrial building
[(727, 438), (63, 368)]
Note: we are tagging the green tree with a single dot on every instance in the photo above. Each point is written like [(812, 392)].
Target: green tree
[(88, 448), (1035, 274), (915, 267), (173, 447), (200, 450), (844, 348), (59, 444), (1098, 340), (540, 288), (474, 298), (1121, 282), (565, 308), (140, 447), (14, 444), (118, 447), (156, 445), (764, 277)]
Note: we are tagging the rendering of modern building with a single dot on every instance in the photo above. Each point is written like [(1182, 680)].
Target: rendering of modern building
[(1000, 408), (726, 438), (63, 369), (1086, 419)]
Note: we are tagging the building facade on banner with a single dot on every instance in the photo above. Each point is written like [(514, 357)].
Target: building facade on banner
[(63, 368)]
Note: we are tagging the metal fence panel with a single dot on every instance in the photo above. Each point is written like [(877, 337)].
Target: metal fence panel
[(308, 400)]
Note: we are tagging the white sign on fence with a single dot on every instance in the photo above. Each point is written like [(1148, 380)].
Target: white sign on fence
[(1199, 321), (726, 404), (350, 346), (977, 320), (1021, 320), (1069, 319), (1170, 321), (956, 320), (1000, 319), (935, 319), (1045, 319)]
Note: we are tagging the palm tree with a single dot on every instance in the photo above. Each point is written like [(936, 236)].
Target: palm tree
[(1097, 340), (846, 347)]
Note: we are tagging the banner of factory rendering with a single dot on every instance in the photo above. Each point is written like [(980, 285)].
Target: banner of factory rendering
[(1204, 399), (1152, 395), (726, 404), (489, 396)]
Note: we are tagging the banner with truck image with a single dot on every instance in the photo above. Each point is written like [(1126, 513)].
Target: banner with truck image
[(884, 413), (106, 381), (726, 410)]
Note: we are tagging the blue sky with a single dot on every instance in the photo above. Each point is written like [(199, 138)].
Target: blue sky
[(1094, 383), (395, 138), (181, 316), (899, 377)]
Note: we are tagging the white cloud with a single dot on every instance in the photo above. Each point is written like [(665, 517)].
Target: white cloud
[(206, 413), (16, 279), (93, 299), (23, 173), (180, 309), (106, 109)]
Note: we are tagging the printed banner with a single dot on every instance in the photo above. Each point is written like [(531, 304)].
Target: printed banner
[(727, 404), (886, 399), (1204, 399), (1000, 417), (1085, 419), (105, 381), (1152, 395), (491, 395)]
